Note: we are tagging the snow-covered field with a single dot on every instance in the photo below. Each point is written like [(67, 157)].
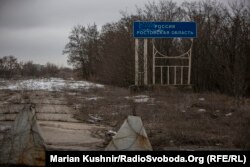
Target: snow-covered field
[(49, 84)]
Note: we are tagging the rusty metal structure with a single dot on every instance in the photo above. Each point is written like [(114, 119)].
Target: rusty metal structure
[(178, 73), (170, 70)]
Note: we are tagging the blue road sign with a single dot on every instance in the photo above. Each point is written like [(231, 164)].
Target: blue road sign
[(164, 29)]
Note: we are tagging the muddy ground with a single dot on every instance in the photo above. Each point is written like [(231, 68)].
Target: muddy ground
[(174, 119)]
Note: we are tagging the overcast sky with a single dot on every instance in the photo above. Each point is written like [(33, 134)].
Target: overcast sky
[(38, 30)]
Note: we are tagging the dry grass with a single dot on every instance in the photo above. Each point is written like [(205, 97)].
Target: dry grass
[(173, 120), (111, 106)]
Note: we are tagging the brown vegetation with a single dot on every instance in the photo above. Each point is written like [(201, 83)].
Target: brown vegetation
[(220, 59), (10, 68), (173, 119)]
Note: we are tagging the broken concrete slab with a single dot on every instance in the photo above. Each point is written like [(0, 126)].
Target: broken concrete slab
[(72, 136), (131, 136), (24, 144)]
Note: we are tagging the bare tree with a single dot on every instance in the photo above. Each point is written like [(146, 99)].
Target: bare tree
[(82, 49), (220, 53), (29, 69), (50, 70), (8, 66)]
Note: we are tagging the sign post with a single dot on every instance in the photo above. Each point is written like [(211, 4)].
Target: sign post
[(152, 30), (136, 62), (145, 53)]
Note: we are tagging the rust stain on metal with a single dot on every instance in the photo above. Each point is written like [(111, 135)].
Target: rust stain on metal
[(37, 156), (143, 141), (131, 136)]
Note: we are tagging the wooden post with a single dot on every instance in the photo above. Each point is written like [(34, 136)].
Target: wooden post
[(190, 63), (136, 62), (145, 61), (174, 75), (181, 75), (189, 66), (168, 75), (161, 77), (153, 70)]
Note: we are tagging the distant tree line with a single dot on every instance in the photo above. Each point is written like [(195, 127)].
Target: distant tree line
[(220, 62), (10, 68)]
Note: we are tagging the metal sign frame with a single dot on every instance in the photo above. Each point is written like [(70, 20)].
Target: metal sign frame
[(163, 29), (187, 55)]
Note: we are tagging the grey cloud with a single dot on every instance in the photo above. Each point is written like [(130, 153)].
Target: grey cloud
[(38, 29), (34, 13)]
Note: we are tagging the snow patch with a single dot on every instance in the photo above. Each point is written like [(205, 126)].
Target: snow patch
[(201, 110), (93, 98), (228, 114), (140, 98), (201, 99), (50, 84)]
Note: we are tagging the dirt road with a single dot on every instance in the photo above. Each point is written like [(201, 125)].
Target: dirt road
[(173, 119), (60, 130)]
